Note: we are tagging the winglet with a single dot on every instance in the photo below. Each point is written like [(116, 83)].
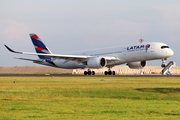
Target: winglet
[(12, 50)]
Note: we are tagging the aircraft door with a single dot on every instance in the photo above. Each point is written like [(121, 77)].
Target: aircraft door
[(152, 48)]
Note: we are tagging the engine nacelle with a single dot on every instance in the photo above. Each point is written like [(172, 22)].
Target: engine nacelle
[(96, 62), (137, 65)]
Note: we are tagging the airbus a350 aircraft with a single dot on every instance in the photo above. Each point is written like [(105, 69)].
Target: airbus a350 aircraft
[(134, 55)]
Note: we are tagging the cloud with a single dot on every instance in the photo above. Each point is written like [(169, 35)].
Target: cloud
[(12, 32), (110, 31), (170, 15), (174, 38)]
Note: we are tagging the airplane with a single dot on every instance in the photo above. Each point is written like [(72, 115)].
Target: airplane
[(135, 56)]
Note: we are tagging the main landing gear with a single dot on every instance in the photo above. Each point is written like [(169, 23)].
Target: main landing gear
[(109, 72), (88, 72)]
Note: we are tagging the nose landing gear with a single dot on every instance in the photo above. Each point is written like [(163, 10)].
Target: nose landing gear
[(167, 68), (163, 65)]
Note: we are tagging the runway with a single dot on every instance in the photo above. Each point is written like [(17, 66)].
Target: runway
[(64, 75)]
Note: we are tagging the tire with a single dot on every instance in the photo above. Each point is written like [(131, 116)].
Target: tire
[(93, 73), (105, 72), (85, 73), (110, 72), (114, 73), (89, 72)]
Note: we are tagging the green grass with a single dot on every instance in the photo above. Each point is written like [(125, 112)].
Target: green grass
[(89, 98)]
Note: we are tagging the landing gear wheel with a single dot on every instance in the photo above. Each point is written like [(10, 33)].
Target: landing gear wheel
[(93, 73), (89, 72), (110, 72), (163, 65), (85, 72), (114, 73)]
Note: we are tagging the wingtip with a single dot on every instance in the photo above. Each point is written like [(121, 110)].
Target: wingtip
[(8, 48), (11, 49), (5, 45)]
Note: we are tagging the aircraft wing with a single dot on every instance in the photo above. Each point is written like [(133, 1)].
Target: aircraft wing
[(77, 58)]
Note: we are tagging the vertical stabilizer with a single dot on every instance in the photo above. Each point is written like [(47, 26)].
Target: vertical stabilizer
[(39, 46)]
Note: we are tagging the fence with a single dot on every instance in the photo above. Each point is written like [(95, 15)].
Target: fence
[(127, 71)]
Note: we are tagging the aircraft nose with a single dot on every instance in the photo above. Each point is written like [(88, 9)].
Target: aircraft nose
[(170, 52)]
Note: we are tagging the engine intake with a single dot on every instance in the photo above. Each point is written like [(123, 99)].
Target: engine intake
[(137, 65), (96, 62)]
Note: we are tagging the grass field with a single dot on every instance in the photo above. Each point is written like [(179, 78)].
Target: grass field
[(89, 98)]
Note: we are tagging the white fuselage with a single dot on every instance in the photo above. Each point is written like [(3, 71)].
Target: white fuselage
[(124, 54)]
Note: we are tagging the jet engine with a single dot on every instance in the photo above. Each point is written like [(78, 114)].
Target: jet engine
[(137, 65), (96, 62)]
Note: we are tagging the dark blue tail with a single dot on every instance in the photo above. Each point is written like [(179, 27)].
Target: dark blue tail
[(39, 46)]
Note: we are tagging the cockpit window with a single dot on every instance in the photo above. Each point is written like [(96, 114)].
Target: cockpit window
[(162, 47)]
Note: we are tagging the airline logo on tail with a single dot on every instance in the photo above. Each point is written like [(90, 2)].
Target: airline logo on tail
[(39, 46), (36, 37)]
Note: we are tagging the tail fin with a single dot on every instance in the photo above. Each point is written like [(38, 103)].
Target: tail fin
[(39, 46)]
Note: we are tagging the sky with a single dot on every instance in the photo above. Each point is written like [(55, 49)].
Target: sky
[(74, 25)]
